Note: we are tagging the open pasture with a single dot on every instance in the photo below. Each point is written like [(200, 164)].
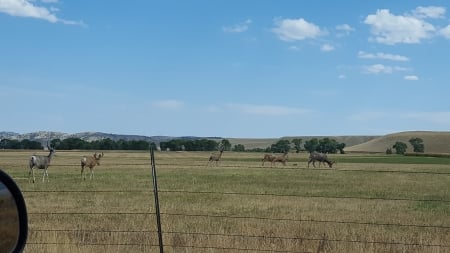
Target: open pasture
[(366, 203)]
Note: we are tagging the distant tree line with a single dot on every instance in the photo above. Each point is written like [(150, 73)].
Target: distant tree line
[(23, 144), (76, 143), (325, 145)]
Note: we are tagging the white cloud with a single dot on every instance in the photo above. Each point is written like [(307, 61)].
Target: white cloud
[(382, 69), (411, 78), (327, 48), (445, 32), (378, 68), (26, 8), (344, 29), (429, 12), (391, 29), (267, 110), (392, 57), (169, 104), (238, 28), (296, 29), (342, 76)]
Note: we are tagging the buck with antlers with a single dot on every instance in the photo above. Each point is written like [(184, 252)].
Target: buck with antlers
[(41, 162), (91, 162), (321, 158), (215, 158)]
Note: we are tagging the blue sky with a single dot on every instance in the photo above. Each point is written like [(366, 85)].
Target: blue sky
[(225, 68)]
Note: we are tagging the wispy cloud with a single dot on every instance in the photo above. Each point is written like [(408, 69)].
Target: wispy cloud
[(383, 56), (344, 29), (411, 78), (382, 69), (296, 29), (368, 116), (169, 104), (327, 48), (238, 28), (445, 32), (267, 110), (432, 117), (27, 8), (429, 12)]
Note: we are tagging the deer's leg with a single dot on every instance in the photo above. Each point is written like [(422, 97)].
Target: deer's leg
[(82, 170), (92, 174)]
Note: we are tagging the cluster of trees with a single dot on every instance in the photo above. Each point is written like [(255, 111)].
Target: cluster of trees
[(195, 145), (325, 145), (401, 147)]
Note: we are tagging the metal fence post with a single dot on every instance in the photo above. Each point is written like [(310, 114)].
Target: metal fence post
[(155, 191)]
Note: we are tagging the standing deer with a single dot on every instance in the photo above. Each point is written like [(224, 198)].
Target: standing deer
[(281, 158), (215, 158), (320, 157), (41, 162), (90, 162), (268, 158)]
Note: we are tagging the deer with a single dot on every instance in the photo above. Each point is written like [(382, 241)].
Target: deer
[(281, 159), (91, 162), (41, 162), (321, 158), (268, 158), (215, 158)]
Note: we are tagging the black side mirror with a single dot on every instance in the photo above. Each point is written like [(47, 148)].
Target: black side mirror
[(13, 216)]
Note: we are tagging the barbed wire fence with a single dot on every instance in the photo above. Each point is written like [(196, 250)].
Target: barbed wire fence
[(157, 233)]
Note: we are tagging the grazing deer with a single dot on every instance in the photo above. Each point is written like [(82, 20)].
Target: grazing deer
[(320, 157), (215, 158), (42, 163), (281, 158), (90, 162), (268, 158)]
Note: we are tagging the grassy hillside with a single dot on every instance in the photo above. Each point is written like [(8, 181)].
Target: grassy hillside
[(435, 142)]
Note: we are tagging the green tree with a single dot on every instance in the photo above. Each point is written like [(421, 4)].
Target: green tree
[(226, 144), (297, 144), (239, 148), (27, 144), (400, 148), (417, 144), (281, 146), (327, 145), (341, 147), (311, 145)]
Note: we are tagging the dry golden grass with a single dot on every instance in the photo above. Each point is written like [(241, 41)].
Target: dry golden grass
[(238, 206)]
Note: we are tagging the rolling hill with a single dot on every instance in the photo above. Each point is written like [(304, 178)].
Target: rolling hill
[(435, 142)]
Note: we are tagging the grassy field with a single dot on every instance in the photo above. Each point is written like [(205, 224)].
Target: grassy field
[(367, 203)]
